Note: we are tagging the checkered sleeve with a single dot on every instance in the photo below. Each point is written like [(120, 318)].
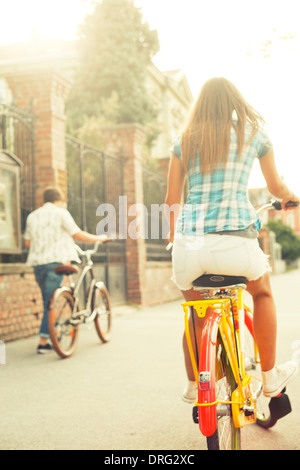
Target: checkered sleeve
[(175, 149), (264, 144)]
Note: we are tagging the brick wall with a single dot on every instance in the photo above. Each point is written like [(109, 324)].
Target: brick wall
[(21, 307), (126, 141), (290, 218), (159, 287), (46, 93)]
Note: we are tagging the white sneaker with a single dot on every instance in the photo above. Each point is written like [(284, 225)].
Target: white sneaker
[(275, 380), (190, 393)]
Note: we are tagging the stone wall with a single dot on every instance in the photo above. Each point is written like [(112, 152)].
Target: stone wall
[(159, 286), (21, 306)]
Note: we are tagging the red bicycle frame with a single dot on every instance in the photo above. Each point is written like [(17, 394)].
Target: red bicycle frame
[(207, 362)]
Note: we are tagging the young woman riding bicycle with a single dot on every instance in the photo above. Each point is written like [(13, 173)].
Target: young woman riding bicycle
[(217, 229)]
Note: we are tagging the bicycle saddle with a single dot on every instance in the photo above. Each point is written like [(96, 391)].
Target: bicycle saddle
[(66, 269), (217, 280)]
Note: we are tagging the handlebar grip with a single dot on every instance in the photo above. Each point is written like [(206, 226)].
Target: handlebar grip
[(292, 204), (278, 206)]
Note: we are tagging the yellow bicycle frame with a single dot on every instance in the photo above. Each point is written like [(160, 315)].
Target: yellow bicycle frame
[(231, 329)]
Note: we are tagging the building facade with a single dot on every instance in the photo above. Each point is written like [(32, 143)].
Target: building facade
[(171, 94), (34, 83)]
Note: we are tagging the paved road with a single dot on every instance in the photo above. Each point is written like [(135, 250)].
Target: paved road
[(125, 395)]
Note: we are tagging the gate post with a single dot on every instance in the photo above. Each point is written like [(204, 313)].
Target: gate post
[(46, 90), (126, 140)]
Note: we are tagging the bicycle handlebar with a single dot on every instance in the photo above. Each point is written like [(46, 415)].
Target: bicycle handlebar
[(277, 205), (272, 204), (89, 253)]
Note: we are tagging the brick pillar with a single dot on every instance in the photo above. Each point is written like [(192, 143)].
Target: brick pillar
[(46, 91), (126, 140)]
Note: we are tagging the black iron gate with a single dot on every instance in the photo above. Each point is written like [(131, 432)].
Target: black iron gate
[(96, 179), (17, 137), (155, 188)]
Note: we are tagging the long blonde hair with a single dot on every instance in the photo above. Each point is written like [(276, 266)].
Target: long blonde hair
[(207, 133)]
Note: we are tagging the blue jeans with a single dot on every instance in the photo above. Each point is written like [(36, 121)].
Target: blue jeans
[(48, 281)]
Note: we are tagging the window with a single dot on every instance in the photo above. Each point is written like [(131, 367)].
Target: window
[(10, 232)]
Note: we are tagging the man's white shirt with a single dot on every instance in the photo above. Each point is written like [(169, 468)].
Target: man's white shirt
[(50, 229)]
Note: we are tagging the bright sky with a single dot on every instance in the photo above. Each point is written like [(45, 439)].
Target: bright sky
[(205, 38)]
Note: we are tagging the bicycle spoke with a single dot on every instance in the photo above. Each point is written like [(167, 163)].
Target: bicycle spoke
[(103, 319), (63, 334), (228, 435)]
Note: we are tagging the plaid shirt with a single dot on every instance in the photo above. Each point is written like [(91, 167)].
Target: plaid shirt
[(219, 201)]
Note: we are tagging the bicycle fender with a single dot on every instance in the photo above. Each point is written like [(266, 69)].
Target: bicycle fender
[(56, 293), (207, 416), (207, 365), (99, 284), (249, 321)]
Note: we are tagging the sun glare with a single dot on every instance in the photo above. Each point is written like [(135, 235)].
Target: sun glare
[(204, 39), (48, 19)]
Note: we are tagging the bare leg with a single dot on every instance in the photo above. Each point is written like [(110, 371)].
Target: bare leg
[(199, 322), (265, 332), (264, 323), (264, 320)]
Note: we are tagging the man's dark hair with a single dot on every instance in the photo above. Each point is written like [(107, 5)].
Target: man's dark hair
[(52, 194)]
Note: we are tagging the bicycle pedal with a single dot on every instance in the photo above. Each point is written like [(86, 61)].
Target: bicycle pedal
[(280, 406), (195, 415)]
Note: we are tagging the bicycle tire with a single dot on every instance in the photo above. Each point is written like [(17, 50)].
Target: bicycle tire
[(266, 422), (226, 436), (63, 335), (103, 319)]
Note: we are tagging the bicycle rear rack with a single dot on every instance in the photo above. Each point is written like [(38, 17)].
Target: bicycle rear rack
[(279, 407)]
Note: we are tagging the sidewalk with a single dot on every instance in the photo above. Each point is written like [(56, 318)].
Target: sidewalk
[(126, 394), (106, 396)]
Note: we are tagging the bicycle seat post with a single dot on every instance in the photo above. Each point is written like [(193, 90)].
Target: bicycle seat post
[(71, 282)]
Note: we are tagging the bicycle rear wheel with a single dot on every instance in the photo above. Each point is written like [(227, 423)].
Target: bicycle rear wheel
[(226, 436), (103, 320), (63, 334)]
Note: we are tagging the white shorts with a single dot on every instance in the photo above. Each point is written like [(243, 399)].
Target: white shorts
[(216, 254)]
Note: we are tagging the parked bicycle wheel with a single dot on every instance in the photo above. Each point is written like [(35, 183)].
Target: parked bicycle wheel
[(226, 436), (103, 319), (63, 334)]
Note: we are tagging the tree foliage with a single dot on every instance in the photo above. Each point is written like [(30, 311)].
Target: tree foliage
[(285, 236), (268, 47), (115, 47)]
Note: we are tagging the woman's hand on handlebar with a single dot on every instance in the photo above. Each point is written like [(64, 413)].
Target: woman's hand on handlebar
[(104, 238), (290, 202)]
